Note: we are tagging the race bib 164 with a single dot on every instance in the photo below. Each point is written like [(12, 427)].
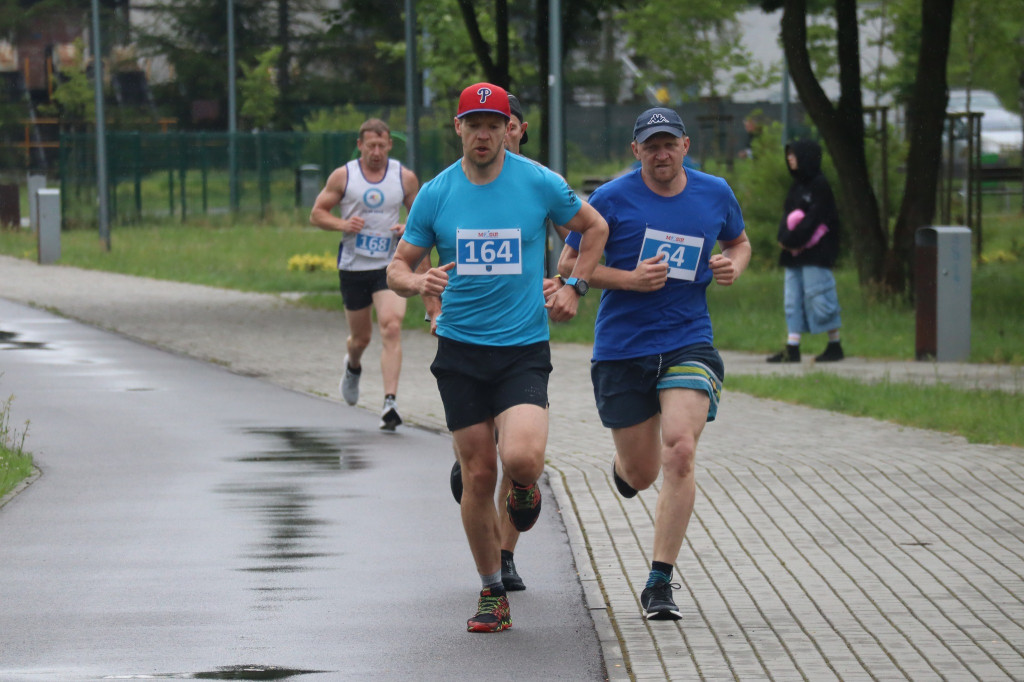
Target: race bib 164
[(489, 252)]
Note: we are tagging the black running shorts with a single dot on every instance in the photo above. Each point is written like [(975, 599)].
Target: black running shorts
[(479, 382), (359, 286)]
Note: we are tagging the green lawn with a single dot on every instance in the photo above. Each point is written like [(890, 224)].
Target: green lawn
[(978, 415)]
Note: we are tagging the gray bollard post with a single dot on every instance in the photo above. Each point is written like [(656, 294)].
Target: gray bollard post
[(307, 185), (942, 272), (48, 236), (36, 181)]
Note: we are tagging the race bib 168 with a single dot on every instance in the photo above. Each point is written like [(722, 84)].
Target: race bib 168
[(373, 246)]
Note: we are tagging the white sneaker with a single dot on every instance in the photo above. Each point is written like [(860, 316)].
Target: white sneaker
[(389, 417), (349, 385)]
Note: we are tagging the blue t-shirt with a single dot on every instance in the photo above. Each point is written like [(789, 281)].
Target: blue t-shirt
[(495, 233), (633, 324)]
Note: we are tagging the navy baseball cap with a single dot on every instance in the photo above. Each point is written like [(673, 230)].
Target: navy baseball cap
[(483, 98), (517, 110), (658, 120)]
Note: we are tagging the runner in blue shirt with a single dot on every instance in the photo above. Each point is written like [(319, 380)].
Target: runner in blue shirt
[(657, 378), (486, 215)]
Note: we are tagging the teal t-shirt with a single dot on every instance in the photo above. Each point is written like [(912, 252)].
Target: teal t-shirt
[(495, 233)]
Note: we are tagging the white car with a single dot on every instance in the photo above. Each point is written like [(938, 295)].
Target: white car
[(1001, 130)]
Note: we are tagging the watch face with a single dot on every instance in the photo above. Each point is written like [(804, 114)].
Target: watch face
[(581, 287)]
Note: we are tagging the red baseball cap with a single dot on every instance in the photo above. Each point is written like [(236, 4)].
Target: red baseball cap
[(484, 98)]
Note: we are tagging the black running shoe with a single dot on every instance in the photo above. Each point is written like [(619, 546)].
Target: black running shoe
[(492, 612), (625, 489), (456, 481), (658, 604), (509, 576), (523, 506)]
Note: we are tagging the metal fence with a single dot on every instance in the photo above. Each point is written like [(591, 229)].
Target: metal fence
[(187, 175)]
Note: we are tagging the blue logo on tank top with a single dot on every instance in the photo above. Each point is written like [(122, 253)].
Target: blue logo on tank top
[(373, 197)]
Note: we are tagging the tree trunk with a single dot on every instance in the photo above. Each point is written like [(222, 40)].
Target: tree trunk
[(925, 120), (501, 60), (841, 127), (495, 68)]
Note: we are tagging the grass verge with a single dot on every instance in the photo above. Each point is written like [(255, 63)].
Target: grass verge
[(15, 463), (980, 416)]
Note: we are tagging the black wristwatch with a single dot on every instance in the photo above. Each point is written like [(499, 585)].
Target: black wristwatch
[(580, 285)]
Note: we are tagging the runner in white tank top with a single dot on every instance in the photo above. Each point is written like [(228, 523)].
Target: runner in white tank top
[(378, 203), (369, 192)]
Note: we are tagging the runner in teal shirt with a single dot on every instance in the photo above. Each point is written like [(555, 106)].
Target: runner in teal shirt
[(486, 216), (495, 234)]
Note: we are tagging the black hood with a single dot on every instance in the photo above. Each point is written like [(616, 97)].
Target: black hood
[(808, 159)]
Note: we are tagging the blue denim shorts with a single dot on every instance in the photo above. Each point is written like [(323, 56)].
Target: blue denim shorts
[(627, 391), (812, 305)]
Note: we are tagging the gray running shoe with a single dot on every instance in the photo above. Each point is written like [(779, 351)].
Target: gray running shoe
[(389, 417), (349, 385)]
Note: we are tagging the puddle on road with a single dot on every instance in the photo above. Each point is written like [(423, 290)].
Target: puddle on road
[(278, 494), (10, 341), (232, 672), (325, 450)]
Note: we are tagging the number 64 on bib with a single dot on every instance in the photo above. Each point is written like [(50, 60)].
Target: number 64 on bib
[(682, 252)]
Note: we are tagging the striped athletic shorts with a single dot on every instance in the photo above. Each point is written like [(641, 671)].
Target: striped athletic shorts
[(626, 391)]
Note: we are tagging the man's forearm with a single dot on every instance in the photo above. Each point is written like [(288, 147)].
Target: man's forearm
[(402, 280), (592, 244), (739, 254)]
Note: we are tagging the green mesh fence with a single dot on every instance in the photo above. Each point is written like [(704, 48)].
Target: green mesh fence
[(155, 176)]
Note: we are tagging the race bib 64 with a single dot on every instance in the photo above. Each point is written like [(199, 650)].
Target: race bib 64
[(682, 252)]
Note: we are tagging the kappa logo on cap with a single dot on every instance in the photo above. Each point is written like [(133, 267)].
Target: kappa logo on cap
[(484, 94), (658, 118)]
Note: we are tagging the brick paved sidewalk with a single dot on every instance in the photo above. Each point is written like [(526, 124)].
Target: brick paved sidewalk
[(822, 546)]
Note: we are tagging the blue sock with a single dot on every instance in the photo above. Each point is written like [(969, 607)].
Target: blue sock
[(660, 573)]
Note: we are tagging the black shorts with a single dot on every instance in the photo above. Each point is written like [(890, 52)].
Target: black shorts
[(479, 382), (359, 286)]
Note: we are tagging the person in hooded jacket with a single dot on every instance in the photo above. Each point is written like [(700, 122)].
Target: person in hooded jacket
[(809, 237)]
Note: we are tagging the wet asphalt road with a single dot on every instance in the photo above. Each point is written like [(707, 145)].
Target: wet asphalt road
[(190, 523)]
